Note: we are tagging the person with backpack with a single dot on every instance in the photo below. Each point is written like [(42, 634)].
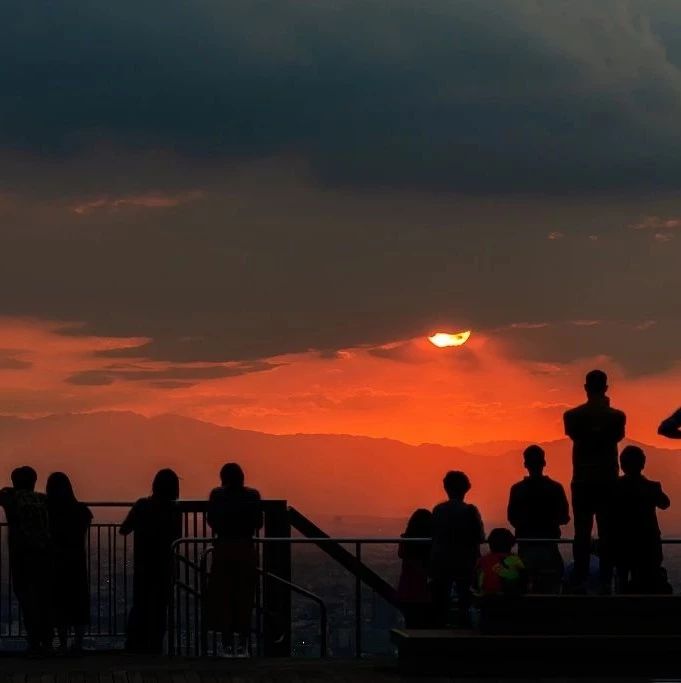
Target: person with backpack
[(30, 556), (500, 571)]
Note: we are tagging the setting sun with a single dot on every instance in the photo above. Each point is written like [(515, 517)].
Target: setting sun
[(444, 339)]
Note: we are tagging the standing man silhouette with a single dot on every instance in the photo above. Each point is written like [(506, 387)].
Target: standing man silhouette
[(595, 429), (537, 508)]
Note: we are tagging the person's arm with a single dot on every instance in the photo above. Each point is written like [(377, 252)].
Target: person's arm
[(563, 507), (87, 518), (514, 508), (130, 522), (480, 526), (211, 511), (5, 494), (259, 519), (401, 548), (571, 424), (671, 427), (620, 426), (177, 522), (661, 498)]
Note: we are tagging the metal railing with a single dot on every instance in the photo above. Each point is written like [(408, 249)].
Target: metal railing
[(181, 619), (110, 559), (188, 632)]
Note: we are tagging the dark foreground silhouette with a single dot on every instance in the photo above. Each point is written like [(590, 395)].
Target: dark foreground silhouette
[(537, 508), (235, 515), (595, 429), (156, 522), (69, 524), (440, 551)]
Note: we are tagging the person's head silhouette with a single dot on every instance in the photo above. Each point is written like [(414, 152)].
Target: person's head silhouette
[(420, 524), (632, 460), (166, 485), (24, 478), (58, 488), (456, 485), (232, 476), (596, 384), (500, 540), (534, 460)]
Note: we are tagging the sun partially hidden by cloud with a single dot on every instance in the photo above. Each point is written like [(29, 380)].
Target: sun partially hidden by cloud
[(445, 339), (403, 389)]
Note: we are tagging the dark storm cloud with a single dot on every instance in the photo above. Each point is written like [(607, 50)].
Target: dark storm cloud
[(641, 347), (220, 178), (171, 377), (9, 360), (497, 95)]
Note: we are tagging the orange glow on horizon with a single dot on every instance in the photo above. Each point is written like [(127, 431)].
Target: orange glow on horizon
[(445, 339)]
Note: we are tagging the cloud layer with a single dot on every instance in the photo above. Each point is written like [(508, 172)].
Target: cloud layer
[(498, 96), (231, 183)]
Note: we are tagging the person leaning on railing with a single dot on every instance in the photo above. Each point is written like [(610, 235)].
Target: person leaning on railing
[(156, 523), (235, 515), (413, 591)]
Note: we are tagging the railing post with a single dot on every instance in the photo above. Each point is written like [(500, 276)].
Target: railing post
[(171, 609), (358, 603), (276, 598)]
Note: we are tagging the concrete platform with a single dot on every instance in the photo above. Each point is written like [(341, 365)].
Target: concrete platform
[(104, 668)]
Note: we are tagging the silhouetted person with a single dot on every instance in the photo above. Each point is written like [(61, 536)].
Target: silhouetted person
[(595, 429), (457, 534), (500, 572), (412, 590), (671, 427), (30, 556), (69, 524), (235, 515), (537, 508), (156, 522), (638, 547)]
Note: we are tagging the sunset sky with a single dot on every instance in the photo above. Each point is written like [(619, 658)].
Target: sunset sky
[(255, 212)]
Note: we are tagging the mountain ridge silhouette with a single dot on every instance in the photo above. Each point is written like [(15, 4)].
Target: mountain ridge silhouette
[(112, 455)]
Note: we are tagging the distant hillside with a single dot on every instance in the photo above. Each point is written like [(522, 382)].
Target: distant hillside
[(113, 455)]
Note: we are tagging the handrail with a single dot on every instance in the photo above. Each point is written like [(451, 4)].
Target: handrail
[(376, 540), (323, 612), (201, 568), (292, 586)]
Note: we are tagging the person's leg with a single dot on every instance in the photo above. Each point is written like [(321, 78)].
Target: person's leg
[(21, 586), (544, 564), (246, 577), (63, 636), (464, 596), (602, 495), (31, 607), (441, 589), (582, 511), (79, 634)]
